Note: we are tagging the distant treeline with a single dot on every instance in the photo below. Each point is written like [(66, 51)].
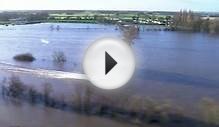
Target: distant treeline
[(190, 21), (182, 20), (29, 16)]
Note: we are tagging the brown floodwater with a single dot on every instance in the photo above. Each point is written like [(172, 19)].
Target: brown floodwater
[(18, 114)]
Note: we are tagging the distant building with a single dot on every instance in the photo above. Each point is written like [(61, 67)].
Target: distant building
[(210, 18), (18, 21)]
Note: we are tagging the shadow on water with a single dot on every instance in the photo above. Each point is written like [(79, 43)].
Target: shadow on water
[(123, 116), (172, 77)]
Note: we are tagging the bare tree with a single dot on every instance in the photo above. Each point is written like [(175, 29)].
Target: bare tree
[(47, 93), (130, 32), (78, 96), (32, 94), (16, 86), (59, 57)]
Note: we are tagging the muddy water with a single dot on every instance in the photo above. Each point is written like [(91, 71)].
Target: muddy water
[(17, 114)]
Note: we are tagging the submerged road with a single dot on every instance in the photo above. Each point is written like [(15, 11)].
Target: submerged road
[(41, 72)]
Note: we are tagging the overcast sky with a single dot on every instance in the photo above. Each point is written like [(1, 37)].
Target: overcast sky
[(145, 5)]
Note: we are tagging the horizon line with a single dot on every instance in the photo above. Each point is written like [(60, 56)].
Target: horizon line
[(13, 10)]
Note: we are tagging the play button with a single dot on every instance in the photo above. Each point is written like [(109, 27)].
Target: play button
[(109, 63)]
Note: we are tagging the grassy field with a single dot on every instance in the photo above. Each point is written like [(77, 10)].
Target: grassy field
[(107, 17), (111, 17)]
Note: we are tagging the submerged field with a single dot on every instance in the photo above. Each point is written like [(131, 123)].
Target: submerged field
[(174, 68)]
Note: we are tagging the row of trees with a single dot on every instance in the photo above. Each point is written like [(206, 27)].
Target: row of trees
[(188, 20), (132, 108), (89, 100), (29, 16), (15, 88)]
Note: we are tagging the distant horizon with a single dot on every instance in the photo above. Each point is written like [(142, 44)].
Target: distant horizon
[(108, 10)]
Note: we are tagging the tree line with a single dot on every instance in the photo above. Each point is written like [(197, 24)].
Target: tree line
[(130, 108), (190, 21), (29, 16)]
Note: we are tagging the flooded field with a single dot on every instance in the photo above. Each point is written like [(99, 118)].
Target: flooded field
[(178, 67)]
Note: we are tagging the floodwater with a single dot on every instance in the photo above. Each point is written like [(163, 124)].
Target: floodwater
[(180, 67), (18, 114)]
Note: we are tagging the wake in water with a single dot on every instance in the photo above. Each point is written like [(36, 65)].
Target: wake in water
[(42, 72)]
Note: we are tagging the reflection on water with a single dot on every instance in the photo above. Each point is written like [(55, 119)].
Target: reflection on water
[(25, 115)]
